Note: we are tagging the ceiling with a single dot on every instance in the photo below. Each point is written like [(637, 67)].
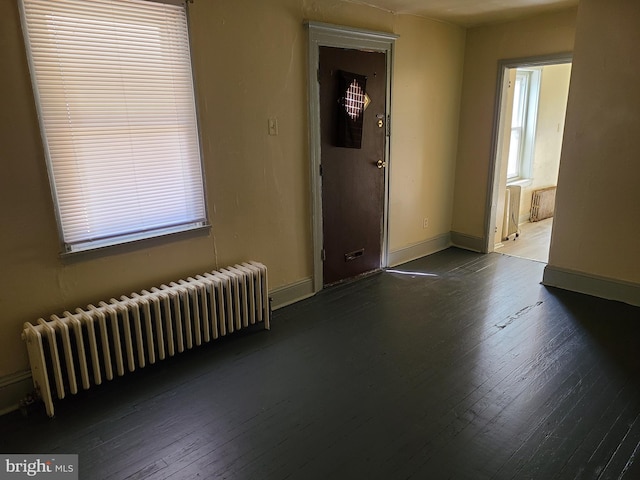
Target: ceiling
[(470, 12)]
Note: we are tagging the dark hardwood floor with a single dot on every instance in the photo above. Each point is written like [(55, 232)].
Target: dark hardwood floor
[(461, 366)]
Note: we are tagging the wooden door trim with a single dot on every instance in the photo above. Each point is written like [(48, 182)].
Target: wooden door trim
[(327, 35)]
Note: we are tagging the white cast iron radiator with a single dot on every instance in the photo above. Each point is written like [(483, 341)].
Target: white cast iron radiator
[(511, 212), (91, 345)]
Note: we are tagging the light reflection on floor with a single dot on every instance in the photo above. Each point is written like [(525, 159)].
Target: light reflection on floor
[(413, 274)]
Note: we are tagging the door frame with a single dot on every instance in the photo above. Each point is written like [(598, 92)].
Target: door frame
[(327, 35), (496, 163)]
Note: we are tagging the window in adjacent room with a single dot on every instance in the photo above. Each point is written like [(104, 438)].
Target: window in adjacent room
[(523, 123), (115, 97)]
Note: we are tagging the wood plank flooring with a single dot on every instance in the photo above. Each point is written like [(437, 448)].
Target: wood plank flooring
[(532, 243), (457, 365)]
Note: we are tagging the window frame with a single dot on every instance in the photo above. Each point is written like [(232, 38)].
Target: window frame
[(127, 236), (526, 151)]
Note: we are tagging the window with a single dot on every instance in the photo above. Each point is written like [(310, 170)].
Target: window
[(114, 90), (526, 92)]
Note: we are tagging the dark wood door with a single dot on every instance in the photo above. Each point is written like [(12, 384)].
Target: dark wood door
[(353, 134)]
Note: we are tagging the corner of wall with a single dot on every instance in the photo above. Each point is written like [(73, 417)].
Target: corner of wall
[(292, 293), (13, 389), (468, 242), (419, 250)]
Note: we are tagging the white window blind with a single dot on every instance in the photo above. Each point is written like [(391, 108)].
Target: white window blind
[(114, 89)]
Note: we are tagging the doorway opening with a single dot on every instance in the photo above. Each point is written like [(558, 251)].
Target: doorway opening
[(531, 109)]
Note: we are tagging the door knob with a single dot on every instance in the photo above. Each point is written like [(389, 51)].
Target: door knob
[(381, 164)]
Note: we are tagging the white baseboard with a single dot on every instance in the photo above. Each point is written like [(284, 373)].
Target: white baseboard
[(418, 250), (468, 242), (602, 287), (13, 389), (288, 294)]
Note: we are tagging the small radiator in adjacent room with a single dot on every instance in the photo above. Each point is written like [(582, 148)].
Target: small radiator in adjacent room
[(91, 345), (511, 211), (543, 203)]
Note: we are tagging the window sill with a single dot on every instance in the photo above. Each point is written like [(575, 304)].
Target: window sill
[(134, 243), (520, 182)]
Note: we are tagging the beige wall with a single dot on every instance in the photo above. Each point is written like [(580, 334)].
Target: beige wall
[(250, 65), (256, 185), (552, 107), (597, 225), (485, 46), (424, 129)]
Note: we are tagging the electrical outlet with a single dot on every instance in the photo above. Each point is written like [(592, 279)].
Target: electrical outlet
[(425, 222)]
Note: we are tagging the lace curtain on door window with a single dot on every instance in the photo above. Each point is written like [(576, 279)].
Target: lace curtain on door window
[(352, 103)]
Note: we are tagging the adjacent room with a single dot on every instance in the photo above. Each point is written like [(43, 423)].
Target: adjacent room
[(274, 239), (533, 108)]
